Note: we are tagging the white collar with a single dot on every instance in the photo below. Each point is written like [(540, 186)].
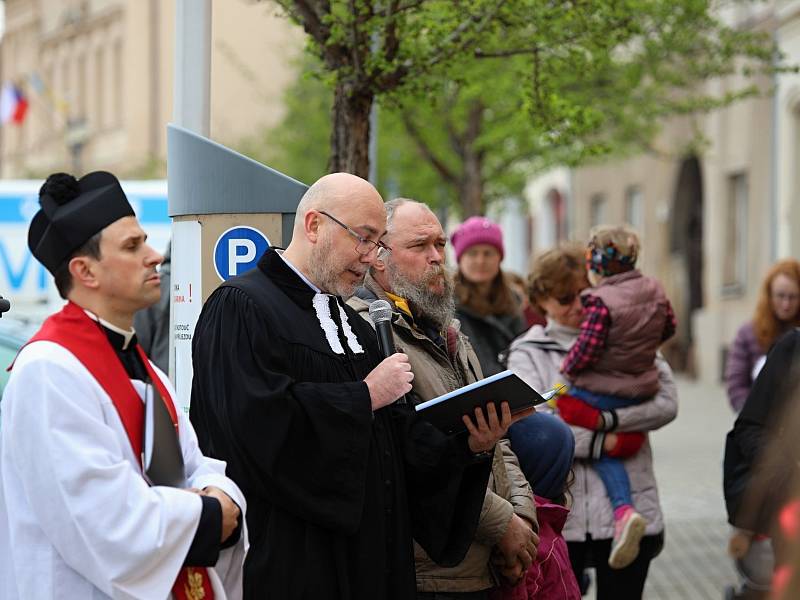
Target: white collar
[(323, 310), (298, 271), (128, 335)]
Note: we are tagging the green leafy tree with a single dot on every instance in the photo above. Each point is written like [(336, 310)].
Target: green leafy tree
[(476, 95), (577, 82)]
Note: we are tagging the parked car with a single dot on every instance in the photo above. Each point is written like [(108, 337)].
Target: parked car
[(13, 335)]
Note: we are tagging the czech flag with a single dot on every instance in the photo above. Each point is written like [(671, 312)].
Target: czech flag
[(13, 104)]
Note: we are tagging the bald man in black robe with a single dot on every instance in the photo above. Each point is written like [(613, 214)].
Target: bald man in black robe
[(291, 390)]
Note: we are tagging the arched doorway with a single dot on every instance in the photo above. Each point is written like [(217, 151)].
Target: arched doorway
[(686, 248)]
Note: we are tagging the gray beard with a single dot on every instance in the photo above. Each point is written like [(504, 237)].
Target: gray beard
[(322, 271), (438, 308)]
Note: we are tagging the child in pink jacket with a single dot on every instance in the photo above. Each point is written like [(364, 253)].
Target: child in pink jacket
[(550, 577)]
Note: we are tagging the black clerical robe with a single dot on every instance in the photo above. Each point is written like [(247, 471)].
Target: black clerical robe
[(759, 470), (334, 492)]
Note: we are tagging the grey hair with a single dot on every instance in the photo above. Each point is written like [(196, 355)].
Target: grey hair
[(391, 206)]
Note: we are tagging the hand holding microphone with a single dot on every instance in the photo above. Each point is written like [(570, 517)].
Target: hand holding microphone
[(392, 378), (389, 381)]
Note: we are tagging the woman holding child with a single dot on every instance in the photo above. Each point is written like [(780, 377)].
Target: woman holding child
[(592, 532)]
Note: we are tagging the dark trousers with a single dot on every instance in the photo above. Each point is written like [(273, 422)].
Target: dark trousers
[(615, 584)]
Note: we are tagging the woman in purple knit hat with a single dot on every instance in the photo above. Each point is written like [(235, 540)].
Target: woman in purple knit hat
[(489, 311)]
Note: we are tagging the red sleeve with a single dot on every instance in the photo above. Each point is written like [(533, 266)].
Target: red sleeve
[(592, 339), (670, 325)]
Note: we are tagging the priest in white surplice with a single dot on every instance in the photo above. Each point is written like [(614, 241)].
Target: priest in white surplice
[(80, 517)]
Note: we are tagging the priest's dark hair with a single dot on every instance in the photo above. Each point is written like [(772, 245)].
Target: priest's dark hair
[(63, 187)]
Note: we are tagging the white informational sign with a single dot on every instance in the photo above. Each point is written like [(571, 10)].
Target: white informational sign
[(23, 280), (186, 302)]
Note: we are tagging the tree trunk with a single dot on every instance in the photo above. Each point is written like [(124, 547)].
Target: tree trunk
[(471, 189), (350, 131), (471, 185)]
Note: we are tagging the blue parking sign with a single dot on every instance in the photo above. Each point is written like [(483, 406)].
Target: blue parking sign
[(238, 250)]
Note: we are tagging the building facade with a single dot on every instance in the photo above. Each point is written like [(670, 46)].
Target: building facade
[(98, 75), (712, 220)]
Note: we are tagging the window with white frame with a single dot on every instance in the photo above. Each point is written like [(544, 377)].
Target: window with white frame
[(634, 208), (597, 210), (734, 261)]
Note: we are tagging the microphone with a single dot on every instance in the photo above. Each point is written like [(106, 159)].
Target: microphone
[(5, 306), (380, 312)]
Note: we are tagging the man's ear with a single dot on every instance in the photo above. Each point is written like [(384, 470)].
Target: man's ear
[(82, 270), (311, 223), (379, 265)]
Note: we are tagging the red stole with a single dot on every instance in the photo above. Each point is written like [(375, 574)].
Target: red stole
[(75, 331)]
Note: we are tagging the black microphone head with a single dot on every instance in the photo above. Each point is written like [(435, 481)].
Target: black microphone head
[(380, 311)]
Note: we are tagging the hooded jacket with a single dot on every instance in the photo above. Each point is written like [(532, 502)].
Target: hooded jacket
[(436, 372)]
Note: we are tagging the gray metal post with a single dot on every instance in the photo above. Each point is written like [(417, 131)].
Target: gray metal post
[(192, 97), (220, 200), (192, 65)]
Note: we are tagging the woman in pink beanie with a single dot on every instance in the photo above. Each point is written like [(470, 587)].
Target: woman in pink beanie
[(489, 312)]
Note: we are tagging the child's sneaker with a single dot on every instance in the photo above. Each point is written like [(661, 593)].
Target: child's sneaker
[(628, 532)]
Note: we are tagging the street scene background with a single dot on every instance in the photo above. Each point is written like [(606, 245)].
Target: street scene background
[(90, 85)]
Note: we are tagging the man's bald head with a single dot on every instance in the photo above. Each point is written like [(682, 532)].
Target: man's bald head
[(334, 216), (335, 193)]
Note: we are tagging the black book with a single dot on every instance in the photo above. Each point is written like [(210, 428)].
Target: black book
[(445, 411)]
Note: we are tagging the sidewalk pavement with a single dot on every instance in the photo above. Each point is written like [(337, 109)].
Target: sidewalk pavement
[(688, 464)]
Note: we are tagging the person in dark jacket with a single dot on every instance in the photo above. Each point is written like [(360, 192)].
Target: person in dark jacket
[(761, 455), (777, 311), (152, 323), (489, 311)]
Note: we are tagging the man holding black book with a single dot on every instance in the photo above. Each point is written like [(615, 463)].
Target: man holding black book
[(88, 508), (411, 276), (291, 390)]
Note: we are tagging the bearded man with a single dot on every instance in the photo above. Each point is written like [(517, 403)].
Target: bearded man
[(410, 274), (290, 387)]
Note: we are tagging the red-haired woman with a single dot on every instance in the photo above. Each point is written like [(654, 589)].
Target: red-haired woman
[(777, 311)]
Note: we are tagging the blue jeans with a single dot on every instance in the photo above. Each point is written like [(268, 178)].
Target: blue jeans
[(611, 470)]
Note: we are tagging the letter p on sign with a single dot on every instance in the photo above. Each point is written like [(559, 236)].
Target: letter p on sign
[(238, 250), (235, 257)]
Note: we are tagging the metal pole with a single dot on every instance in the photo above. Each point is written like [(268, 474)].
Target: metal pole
[(193, 65), (191, 110)]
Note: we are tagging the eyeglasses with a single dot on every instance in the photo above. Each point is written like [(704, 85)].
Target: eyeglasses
[(364, 246), (785, 297)]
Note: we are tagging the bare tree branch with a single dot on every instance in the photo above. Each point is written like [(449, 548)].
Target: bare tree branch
[(409, 6), (456, 35), (504, 53), (312, 22), (423, 146), (391, 41), (395, 78)]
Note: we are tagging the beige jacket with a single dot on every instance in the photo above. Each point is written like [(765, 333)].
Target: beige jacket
[(437, 372), (536, 357)]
